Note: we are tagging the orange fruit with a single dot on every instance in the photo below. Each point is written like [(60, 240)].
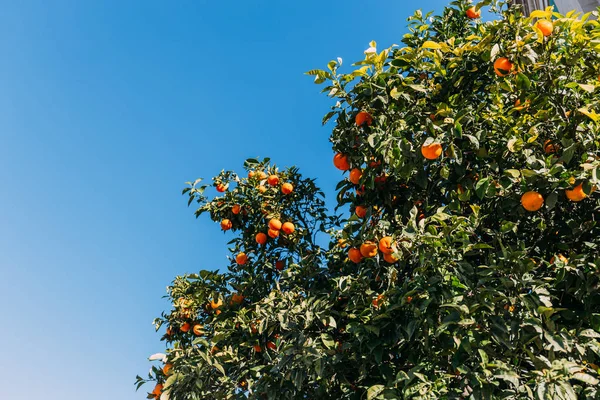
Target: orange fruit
[(386, 245), (262, 175), (355, 175), (502, 66), (241, 258), (157, 390), (472, 13), (360, 211), (250, 174), (237, 298), (287, 188), (197, 330), (185, 327), (561, 258), (279, 265), (273, 180), (545, 26), (262, 188), (368, 249), (257, 348), (221, 187), (271, 346), (275, 224), (226, 225), (520, 107), (236, 209), (341, 162), (549, 147), (273, 233), (288, 228), (431, 151), (363, 117), (378, 301), (169, 331), (354, 255), (167, 369), (216, 304), (390, 258), (409, 299), (261, 238), (214, 349), (576, 194), (532, 201)]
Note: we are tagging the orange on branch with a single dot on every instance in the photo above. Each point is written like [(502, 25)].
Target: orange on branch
[(273, 233), (368, 249), (167, 369), (197, 330), (355, 176), (221, 187), (275, 224), (288, 228), (431, 151), (473, 13), (287, 188), (236, 209), (226, 224), (363, 117), (354, 255), (241, 258), (545, 26), (157, 390), (341, 162), (360, 211), (261, 238), (273, 180), (237, 298), (576, 194), (279, 265), (532, 201), (185, 328), (502, 66), (386, 245), (390, 258)]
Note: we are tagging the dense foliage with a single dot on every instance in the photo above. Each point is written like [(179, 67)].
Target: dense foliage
[(469, 266)]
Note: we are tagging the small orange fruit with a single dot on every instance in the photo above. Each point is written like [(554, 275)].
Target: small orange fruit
[(216, 304), (185, 327), (502, 66), (532, 201), (386, 245), (562, 258), (197, 330), (261, 238), (576, 194), (363, 117), (262, 175), (241, 258), (214, 350), (257, 348), (520, 107), (288, 228), (354, 255), (279, 265), (169, 331), (368, 249), (236, 209), (262, 188), (431, 151), (275, 224), (287, 188), (549, 147), (390, 258), (237, 298), (378, 301), (271, 346), (226, 225), (472, 13), (221, 187), (360, 211), (250, 174), (273, 233), (157, 390), (545, 26), (273, 180), (167, 369), (341, 162), (355, 176), (409, 299)]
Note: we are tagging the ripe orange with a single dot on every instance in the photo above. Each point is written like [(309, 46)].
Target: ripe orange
[(378, 301), (237, 298), (257, 348), (576, 194), (288, 228), (545, 26), (271, 346), (431, 151), (354, 255), (216, 304), (532, 201), (363, 117), (250, 174), (368, 249), (549, 147), (221, 187), (185, 328), (472, 13), (341, 162), (279, 265), (241, 258), (409, 299), (386, 245), (262, 175), (355, 175), (157, 390), (261, 238), (262, 188), (273, 233), (390, 258), (360, 211), (502, 66), (287, 188), (167, 369), (273, 180), (197, 330), (226, 225), (561, 258), (236, 209), (275, 224), (169, 331)]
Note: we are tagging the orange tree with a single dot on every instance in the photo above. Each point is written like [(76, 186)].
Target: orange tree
[(469, 264)]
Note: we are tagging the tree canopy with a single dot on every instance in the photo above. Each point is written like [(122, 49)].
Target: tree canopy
[(466, 260)]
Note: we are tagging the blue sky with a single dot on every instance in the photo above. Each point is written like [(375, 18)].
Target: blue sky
[(106, 109)]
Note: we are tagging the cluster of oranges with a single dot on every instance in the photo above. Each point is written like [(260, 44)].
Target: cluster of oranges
[(368, 249), (274, 228)]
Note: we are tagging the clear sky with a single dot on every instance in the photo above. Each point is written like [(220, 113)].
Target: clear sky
[(106, 109)]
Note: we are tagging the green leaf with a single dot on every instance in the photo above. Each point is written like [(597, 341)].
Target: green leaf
[(431, 45), (374, 391), (523, 82)]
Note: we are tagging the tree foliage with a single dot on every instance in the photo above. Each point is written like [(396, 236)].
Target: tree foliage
[(469, 295)]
